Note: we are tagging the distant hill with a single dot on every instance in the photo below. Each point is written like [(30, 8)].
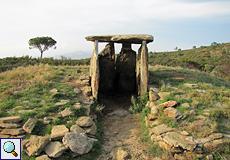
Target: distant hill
[(213, 59), (75, 55)]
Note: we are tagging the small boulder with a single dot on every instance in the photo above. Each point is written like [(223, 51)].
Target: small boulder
[(9, 125), (84, 121), (173, 112), (76, 90), (77, 129), (13, 132), (161, 129), (67, 112), (169, 104), (122, 154), (36, 144), (163, 95), (58, 132), (153, 96), (29, 125), (43, 157), (78, 143), (55, 149), (13, 119), (92, 130), (190, 85), (155, 110), (152, 117)]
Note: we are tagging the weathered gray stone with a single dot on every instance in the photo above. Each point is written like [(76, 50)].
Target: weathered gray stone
[(190, 85), (29, 125), (216, 145), (92, 130), (161, 129), (55, 149), (9, 125), (43, 157), (173, 112), (125, 70), (169, 104), (78, 143), (58, 132), (76, 90), (155, 110), (153, 96), (13, 119), (13, 132), (177, 140), (128, 38), (163, 94), (84, 121), (215, 136), (169, 148), (67, 112), (77, 129), (36, 144), (185, 105), (53, 91), (94, 71), (144, 69), (107, 68)]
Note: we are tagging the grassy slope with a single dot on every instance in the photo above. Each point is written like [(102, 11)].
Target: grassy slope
[(214, 59)]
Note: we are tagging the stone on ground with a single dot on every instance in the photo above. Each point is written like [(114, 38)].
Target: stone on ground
[(78, 143), (36, 144), (55, 149), (67, 112), (216, 145), (29, 125), (77, 129), (13, 132), (76, 90), (122, 154), (163, 95), (9, 125), (92, 130), (190, 85), (13, 119), (58, 132), (169, 104), (177, 140), (84, 121), (43, 157), (161, 129), (173, 113), (153, 96)]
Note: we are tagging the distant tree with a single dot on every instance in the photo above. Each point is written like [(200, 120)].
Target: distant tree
[(42, 43), (176, 48), (194, 47), (179, 49)]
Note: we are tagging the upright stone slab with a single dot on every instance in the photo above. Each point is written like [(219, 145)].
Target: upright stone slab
[(144, 69), (138, 76), (107, 68), (94, 71), (125, 79)]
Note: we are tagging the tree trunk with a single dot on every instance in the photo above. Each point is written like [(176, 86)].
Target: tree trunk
[(41, 54)]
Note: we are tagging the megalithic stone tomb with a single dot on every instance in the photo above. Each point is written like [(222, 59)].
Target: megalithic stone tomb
[(130, 71)]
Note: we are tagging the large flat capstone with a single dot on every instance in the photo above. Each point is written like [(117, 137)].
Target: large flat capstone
[(127, 38)]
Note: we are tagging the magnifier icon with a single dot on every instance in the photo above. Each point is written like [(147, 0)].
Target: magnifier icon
[(9, 147)]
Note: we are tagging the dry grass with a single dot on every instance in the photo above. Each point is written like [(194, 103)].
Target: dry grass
[(23, 77)]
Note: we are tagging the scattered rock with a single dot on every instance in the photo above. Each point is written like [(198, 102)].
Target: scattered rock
[(201, 91), (9, 125), (178, 140), (55, 149), (185, 133), (43, 157), (77, 129), (87, 91), (78, 143), (13, 119), (215, 136), (216, 145), (67, 112), (119, 112), (185, 105), (153, 96), (36, 144), (154, 88), (182, 96), (209, 157), (29, 125), (202, 140), (163, 94), (169, 148), (122, 154), (76, 90), (173, 112), (23, 143), (161, 129), (169, 104), (60, 103), (25, 111), (190, 85), (13, 132), (152, 117), (218, 104), (84, 121), (92, 130), (53, 91), (155, 110), (58, 132)]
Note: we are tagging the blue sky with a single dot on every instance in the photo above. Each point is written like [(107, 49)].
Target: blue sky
[(181, 23)]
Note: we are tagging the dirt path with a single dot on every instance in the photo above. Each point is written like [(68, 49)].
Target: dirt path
[(122, 129)]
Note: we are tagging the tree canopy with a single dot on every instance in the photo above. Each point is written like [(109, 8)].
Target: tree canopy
[(42, 43)]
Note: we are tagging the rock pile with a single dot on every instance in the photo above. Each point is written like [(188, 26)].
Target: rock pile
[(180, 143)]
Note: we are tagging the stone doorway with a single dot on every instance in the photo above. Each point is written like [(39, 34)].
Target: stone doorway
[(129, 73)]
